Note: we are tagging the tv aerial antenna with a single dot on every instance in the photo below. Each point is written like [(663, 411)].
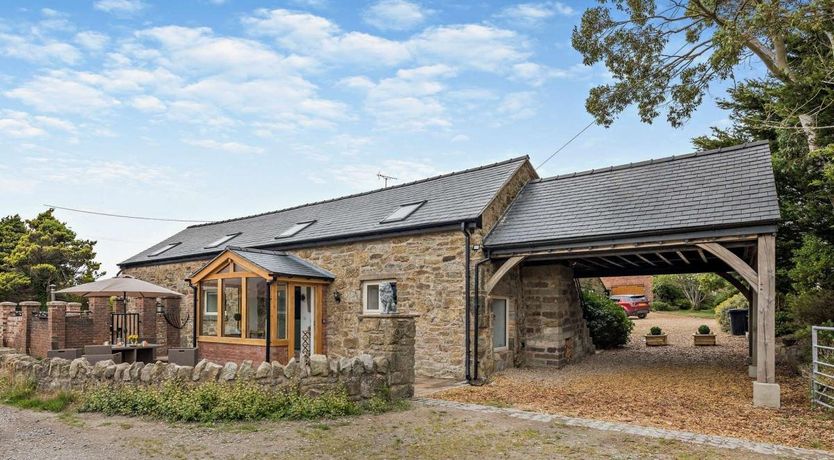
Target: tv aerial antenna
[(385, 178)]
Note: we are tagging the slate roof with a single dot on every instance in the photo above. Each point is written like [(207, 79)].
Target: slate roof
[(730, 187), (282, 263), (449, 199)]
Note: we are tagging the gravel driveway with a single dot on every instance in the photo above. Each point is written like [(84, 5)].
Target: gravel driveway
[(682, 387), (420, 432)]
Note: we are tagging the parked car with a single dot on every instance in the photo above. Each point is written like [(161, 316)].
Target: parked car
[(634, 305)]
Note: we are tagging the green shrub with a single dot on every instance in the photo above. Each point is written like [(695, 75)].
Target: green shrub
[(608, 323), (656, 330), (703, 329), (215, 402), (659, 305), (666, 291), (812, 308), (721, 315)]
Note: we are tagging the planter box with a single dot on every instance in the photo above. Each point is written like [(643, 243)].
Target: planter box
[(704, 340), (656, 340)]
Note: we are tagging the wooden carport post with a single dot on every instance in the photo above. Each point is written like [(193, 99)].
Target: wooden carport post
[(762, 281)]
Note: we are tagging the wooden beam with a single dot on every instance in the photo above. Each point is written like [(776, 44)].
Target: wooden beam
[(503, 270), (766, 321), (683, 258), (628, 261), (611, 262), (594, 262), (736, 283), (645, 259), (733, 261), (703, 256), (663, 258)]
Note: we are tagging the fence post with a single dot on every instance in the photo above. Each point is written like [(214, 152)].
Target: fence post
[(27, 308), (6, 310), (56, 324)]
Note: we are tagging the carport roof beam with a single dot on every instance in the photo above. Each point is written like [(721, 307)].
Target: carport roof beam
[(628, 261), (663, 258), (611, 262), (683, 257), (641, 256)]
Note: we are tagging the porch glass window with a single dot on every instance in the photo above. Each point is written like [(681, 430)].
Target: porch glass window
[(256, 308), (232, 309), (281, 331), (209, 313), (499, 323)]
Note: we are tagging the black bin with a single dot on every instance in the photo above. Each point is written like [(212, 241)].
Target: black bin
[(738, 321)]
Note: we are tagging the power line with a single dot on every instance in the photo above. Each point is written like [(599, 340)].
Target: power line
[(566, 143), (107, 214)]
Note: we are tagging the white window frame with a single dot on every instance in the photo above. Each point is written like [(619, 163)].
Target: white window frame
[(408, 209), (163, 249), (506, 321), (295, 229), (365, 285), (216, 303)]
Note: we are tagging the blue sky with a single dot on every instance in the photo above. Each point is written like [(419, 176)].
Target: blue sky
[(215, 109)]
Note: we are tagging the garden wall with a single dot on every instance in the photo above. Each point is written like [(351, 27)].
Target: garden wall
[(390, 364)]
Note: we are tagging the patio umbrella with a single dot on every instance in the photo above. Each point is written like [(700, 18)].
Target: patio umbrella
[(125, 286)]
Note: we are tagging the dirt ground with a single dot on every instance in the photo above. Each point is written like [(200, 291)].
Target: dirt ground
[(419, 432), (700, 389)]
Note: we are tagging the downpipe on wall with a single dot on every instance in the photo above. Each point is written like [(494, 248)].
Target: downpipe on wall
[(475, 381)]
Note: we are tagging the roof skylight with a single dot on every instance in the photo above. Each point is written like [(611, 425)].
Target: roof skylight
[(163, 249), (292, 231), (222, 240), (403, 212)]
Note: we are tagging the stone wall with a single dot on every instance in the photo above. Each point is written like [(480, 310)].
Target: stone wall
[(389, 363), (555, 332), (361, 376)]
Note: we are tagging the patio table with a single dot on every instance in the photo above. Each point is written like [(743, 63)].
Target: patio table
[(137, 353)]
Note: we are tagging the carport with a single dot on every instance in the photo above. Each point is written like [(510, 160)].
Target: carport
[(713, 211)]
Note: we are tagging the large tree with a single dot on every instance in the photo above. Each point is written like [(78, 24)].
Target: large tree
[(40, 252), (667, 55)]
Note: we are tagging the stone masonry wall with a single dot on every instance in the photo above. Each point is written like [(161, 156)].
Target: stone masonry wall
[(390, 364), (555, 332)]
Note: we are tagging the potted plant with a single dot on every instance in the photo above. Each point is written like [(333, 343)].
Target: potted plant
[(704, 337), (655, 337), (133, 339)]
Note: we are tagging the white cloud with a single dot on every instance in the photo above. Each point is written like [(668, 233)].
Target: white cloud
[(532, 14), (15, 125), (395, 15), (317, 36), (471, 45), (123, 7), (58, 92), (229, 147), (38, 50), (517, 106), (408, 101), (148, 103), (93, 41)]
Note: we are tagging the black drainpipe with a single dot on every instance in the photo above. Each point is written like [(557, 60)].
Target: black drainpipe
[(194, 316), (477, 311), (269, 317), (468, 302)]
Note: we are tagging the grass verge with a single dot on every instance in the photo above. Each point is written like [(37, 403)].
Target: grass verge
[(26, 396), (707, 314)]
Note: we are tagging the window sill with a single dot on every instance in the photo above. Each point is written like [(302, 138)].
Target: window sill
[(388, 315)]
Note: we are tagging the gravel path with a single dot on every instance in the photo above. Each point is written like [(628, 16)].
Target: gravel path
[(679, 387), (420, 432)]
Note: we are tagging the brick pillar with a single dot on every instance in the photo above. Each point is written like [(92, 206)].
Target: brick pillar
[(6, 310), (146, 307), (100, 313), (74, 308), (27, 308), (172, 334), (56, 324)]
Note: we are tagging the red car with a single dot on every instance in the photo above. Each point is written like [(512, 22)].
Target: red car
[(634, 305)]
